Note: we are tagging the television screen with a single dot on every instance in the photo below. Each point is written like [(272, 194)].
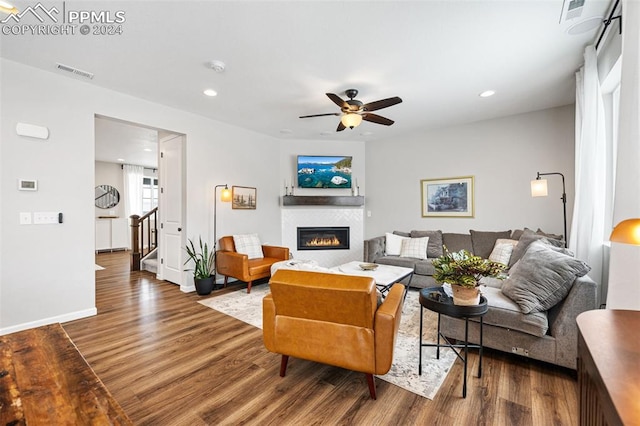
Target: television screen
[(315, 171)]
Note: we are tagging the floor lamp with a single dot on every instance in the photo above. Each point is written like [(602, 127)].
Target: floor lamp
[(624, 281), (225, 196), (539, 189)]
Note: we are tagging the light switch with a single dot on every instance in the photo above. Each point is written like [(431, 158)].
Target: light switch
[(368, 213), (42, 218), (25, 218)]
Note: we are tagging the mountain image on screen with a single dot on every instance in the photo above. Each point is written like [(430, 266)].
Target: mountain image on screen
[(316, 171)]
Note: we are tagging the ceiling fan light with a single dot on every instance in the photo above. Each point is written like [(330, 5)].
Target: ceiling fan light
[(351, 120)]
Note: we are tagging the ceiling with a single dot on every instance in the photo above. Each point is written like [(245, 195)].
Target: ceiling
[(282, 57)]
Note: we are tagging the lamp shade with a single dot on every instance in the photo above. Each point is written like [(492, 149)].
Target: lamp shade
[(225, 194), (539, 188), (627, 232), (351, 120)]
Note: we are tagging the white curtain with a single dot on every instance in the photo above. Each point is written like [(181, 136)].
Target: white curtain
[(624, 266), (133, 176), (587, 227)]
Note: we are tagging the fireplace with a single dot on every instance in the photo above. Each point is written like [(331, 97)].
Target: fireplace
[(323, 238)]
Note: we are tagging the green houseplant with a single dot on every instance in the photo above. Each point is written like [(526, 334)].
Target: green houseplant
[(463, 271), (204, 269)]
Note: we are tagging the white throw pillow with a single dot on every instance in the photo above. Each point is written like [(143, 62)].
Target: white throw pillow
[(502, 250), (248, 244), (393, 244), (414, 247)]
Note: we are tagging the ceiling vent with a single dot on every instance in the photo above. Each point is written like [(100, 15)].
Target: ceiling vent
[(75, 71), (571, 9)]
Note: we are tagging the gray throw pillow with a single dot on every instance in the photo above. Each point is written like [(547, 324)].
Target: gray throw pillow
[(542, 277), (483, 241), (434, 248), (527, 237)]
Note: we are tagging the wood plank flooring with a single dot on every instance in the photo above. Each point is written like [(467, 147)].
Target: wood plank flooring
[(170, 361)]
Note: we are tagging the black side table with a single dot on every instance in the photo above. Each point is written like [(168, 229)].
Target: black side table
[(436, 300)]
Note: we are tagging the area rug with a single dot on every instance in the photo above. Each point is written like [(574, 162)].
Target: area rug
[(404, 370)]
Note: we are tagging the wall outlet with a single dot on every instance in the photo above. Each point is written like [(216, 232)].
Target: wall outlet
[(25, 218), (43, 218)]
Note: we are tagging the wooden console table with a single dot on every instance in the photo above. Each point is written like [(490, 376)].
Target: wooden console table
[(609, 367), (44, 380)]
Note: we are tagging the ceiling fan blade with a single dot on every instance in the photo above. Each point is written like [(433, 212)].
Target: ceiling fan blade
[(378, 119), (337, 100), (319, 115), (341, 127), (384, 103)]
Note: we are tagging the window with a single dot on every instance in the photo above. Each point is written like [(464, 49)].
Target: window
[(149, 194)]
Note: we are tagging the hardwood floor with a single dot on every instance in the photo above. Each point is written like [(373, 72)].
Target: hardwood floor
[(171, 361)]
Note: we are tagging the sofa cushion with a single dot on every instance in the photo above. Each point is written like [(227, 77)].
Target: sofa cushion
[(548, 235), (434, 249), (501, 252), (483, 242), (527, 237), (425, 267), (542, 278), (393, 244), (504, 312), (457, 242), (402, 234), (248, 244), (405, 262), (414, 247)]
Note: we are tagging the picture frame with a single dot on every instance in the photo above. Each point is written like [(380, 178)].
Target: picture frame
[(243, 197), (448, 197)]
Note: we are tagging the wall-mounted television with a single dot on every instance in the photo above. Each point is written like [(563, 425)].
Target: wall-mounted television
[(324, 171)]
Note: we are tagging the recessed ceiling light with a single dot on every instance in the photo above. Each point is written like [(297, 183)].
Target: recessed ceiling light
[(487, 93), (148, 149), (217, 66), (585, 25), (121, 159), (210, 92)]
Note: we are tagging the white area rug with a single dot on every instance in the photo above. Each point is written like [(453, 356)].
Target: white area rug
[(98, 267), (404, 370)]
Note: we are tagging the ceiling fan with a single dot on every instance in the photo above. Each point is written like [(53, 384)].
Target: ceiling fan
[(354, 111)]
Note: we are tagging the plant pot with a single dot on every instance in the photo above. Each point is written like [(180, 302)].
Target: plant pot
[(204, 286), (465, 296)]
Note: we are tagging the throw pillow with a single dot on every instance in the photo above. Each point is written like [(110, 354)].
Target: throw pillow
[(528, 236), (483, 241), (415, 247), (501, 252), (248, 244), (434, 249), (542, 278), (393, 244)]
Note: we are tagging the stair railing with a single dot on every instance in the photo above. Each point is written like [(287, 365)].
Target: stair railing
[(144, 229)]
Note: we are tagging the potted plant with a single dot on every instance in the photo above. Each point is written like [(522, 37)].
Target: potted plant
[(204, 270), (463, 271)]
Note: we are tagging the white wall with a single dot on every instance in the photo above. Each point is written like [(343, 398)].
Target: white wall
[(503, 154), (47, 272)]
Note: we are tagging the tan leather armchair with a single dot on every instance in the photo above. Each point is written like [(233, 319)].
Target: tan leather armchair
[(333, 319), (233, 264)]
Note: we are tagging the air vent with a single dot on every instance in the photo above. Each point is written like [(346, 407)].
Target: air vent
[(75, 71), (571, 9)]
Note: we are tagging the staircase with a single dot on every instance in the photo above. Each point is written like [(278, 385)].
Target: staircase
[(150, 262), (144, 240)]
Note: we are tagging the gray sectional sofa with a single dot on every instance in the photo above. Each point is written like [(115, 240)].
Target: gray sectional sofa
[(533, 312)]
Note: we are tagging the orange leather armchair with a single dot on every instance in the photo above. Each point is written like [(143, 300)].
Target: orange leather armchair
[(333, 319), (233, 264)]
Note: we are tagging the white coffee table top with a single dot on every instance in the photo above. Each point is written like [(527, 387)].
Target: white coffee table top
[(384, 274)]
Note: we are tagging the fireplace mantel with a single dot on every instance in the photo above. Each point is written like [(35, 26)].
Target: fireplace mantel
[(320, 200)]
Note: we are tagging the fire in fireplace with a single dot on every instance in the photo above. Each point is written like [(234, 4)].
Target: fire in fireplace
[(323, 238)]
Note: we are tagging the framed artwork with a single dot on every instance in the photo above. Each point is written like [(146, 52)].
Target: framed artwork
[(449, 197), (243, 197)]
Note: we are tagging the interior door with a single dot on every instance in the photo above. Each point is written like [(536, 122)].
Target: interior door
[(171, 209)]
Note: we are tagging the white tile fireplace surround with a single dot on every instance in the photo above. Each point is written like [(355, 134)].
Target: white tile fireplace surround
[(299, 216)]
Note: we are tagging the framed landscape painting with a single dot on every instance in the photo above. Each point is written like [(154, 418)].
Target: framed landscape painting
[(243, 197), (448, 197)]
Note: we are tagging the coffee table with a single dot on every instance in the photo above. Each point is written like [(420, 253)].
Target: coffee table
[(384, 275)]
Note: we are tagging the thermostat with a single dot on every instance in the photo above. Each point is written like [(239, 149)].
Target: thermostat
[(27, 184)]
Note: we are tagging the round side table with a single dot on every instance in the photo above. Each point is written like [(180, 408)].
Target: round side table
[(436, 300)]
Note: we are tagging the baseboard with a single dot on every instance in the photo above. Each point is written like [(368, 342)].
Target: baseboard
[(71, 316)]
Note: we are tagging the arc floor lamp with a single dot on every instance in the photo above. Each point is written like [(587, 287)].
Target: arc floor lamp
[(225, 196), (539, 189)]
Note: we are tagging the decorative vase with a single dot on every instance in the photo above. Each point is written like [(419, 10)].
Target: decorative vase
[(204, 286), (465, 296)]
